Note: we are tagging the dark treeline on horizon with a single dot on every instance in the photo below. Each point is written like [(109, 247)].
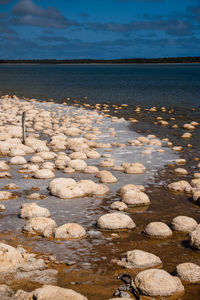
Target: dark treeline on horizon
[(164, 60)]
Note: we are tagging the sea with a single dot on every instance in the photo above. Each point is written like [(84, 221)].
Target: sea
[(146, 85)]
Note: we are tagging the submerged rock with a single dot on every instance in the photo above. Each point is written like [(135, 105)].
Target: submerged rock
[(118, 205), (156, 282), (115, 221), (180, 186)]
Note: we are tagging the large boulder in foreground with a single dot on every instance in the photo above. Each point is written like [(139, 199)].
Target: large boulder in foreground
[(51, 292), (139, 259), (9, 258), (115, 221), (155, 282)]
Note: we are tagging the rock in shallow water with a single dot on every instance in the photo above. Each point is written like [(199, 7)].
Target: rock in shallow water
[(195, 238), (158, 230), (40, 225), (115, 221), (139, 259), (156, 282), (188, 272), (183, 224), (135, 198), (32, 210), (69, 231)]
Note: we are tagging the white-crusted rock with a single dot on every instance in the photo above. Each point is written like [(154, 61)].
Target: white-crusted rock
[(115, 221), (9, 258), (69, 231), (195, 237), (183, 224), (180, 186), (188, 272), (158, 230), (139, 259), (106, 176), (44, 174), (118, 205), (156, 282), (32, 210), (39, 224), (135, 198)]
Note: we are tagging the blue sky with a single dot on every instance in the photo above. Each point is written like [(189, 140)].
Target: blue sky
[(101, 29)]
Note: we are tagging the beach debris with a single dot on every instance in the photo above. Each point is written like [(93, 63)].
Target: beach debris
[(115, 221), (158, 230)]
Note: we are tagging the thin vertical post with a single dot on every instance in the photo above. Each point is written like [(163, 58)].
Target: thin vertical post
[(23, 127)]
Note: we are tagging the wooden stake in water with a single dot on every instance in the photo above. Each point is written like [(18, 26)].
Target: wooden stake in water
[(23, 127)]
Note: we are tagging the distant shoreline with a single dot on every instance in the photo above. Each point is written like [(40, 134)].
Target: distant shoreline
[(164, 60)]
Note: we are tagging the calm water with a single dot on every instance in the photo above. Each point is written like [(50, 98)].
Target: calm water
[(146, 85)]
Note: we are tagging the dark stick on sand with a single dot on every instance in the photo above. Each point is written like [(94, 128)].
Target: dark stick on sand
[(23, 127)]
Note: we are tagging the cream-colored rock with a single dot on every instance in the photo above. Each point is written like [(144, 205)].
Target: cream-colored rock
[(180, 186), (17, 160), (36, 159), (156, 282), (135, 198), (44, 174), (188, 126), (115, 221), (196, 183), (91, 170), (4, 166), (50, 292), (2, 207), (135, 168), (32, 210), (106, 176), (158, 230), (183, 224), (196, 175), (180, 161), (186, 135), (4, 195), (39, 225), (9, 258), (196, 196), (69, 231), (48, 165), (78, 155), (139, 259), (155, 142), (35, 196), (118, 205), (188, 272), (92, 154), (17, 152), (180, 171), (47, 155), (195, 237), (77, 164), (106, 164), (177, 148), (69, 170), (127, 187)]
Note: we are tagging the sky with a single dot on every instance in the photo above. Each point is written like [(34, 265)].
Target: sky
[(99, 29)]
